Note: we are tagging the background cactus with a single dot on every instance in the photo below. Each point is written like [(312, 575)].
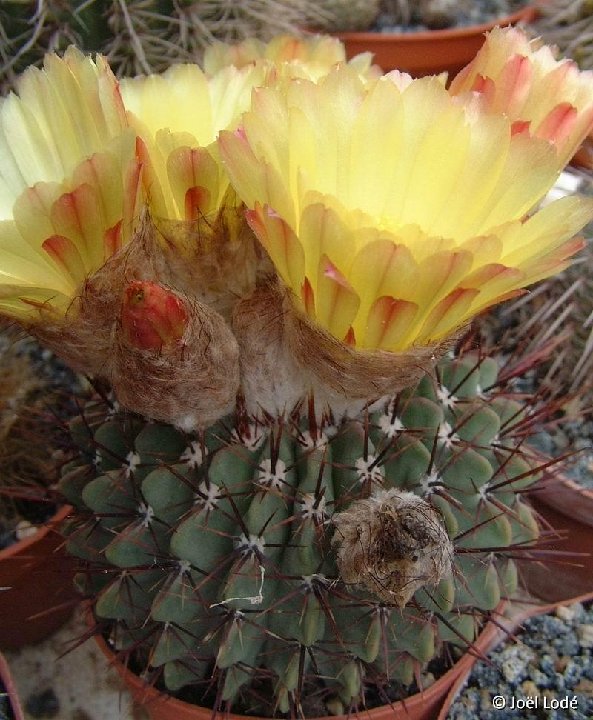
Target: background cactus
[(567, 24), (30, 402), (554, 322), (142, 36), (348, 15), (215, 558)]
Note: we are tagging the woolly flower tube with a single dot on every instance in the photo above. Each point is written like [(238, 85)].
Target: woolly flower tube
[(394, 212), (68, 183)]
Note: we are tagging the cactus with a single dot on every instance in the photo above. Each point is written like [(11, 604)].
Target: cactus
[(309, 511), (348, 15), (308, 557), (554, 322), (29, 405), (568, 26), (139, 36)]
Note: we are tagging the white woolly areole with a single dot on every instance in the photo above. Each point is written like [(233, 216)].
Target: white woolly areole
[(252, 545), (184, 566), (131, 463), (312, 507), (253, 438), (445, 397), (309, 581), (390, 425), (272, 478), (446, 436), (187, 423), (368, 471), (193, 455), (306, 439), (484, 491), (428, 483), (208, 495), (146, 514)]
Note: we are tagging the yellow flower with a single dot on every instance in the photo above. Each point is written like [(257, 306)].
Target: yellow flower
[(311, 57), (68, 182), (177, 116), (392, 210), (543, 97)]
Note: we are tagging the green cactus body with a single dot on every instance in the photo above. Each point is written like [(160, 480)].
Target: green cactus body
[(215, 554)]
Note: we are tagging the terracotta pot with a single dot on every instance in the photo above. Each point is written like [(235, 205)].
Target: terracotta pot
[(36, 586), (422, 706), (568, 498), (565, 574), (10, 689), (583, 158), (427, 53)]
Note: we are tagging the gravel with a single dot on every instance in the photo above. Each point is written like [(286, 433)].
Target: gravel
[(17, 521), (572, 437), (458, 14), (5, 710), (546, 673)]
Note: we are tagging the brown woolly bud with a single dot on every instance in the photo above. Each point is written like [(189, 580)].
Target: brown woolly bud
[(175, 360), (151, 316), (84, 337), (392, 543), (168, 356)]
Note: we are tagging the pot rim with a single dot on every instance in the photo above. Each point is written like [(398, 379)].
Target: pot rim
[(10, 687), (148, 694), (526, 14), (42, 530)]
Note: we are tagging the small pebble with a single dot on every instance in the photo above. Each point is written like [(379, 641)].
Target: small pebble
[(529, 688), (584, 687), (585, 635), (566, 612), (515, 660), (25, 529)]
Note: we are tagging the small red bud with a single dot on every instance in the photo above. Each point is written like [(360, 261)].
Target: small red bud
[(152, 317)]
